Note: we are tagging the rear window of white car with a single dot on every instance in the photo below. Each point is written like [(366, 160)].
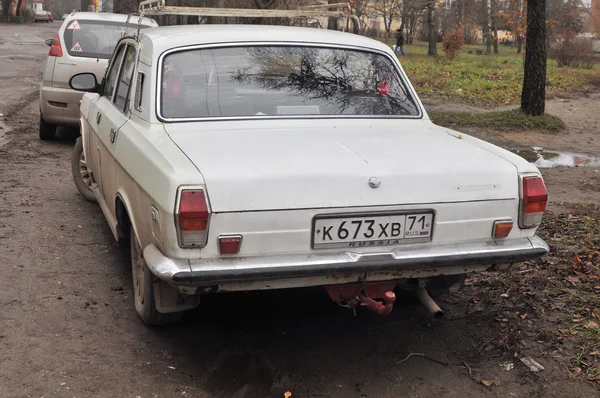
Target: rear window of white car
[(280, 81), (94, 39)]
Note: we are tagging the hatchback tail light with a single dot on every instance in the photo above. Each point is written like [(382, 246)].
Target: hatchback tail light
[(192, 218), (533, 201), (56, 48)]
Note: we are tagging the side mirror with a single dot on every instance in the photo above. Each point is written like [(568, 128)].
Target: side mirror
[(84, 82), (49, 42)]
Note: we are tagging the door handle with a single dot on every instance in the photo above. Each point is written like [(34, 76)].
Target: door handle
[(113, 135), (98, 117)]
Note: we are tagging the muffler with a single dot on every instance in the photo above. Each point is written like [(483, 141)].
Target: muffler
[(428, 302)]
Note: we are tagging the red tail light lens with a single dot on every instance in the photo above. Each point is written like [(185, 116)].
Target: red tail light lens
[(533, 201), (193, 216), (56, 48)]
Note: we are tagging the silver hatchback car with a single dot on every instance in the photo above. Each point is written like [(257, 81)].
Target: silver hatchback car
[(84, 43)]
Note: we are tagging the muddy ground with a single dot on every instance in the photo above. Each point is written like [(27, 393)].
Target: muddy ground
[(68, 329)]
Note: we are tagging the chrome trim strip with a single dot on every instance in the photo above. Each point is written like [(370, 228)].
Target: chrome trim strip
[(213, 271), (395, 62)]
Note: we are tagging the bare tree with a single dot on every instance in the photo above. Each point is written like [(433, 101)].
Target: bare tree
[(363, 11), (432, 50), (388, 9), (488, 26), (533, 96), (409, 12)]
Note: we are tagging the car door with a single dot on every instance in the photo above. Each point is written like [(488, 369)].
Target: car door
[(115, 115), (98, 122)]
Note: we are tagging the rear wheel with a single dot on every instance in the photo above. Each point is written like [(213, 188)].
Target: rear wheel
[(81, 174), (143, 288), (47, 131)]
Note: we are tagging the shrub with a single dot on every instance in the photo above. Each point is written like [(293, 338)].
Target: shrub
[(453, 41), (575, 54)]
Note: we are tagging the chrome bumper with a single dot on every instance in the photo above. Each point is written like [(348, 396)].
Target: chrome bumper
[(393, 264)]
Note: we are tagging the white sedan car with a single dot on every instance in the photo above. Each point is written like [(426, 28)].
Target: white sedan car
[(237, 158)]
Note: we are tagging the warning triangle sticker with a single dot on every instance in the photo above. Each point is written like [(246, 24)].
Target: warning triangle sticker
[(74, 25), (77, 48)]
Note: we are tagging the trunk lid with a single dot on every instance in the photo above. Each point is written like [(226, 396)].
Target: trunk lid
[(302, 164)]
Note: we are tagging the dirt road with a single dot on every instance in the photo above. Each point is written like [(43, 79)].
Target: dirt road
[(68, 329)]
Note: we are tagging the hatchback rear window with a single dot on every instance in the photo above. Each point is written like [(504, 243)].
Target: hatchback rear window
[(282, 81), (94, 39)]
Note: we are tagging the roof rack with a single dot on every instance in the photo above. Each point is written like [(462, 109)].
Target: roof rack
[(159, 7)]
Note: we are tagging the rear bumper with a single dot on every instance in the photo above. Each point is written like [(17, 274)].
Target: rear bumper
[(343, 267), (60, 116)]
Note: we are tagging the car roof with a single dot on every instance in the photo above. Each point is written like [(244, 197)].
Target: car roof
[(110, 17), (168, 37)]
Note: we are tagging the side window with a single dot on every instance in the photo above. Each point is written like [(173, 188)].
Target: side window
[(122, 97), (137, 102), (111, 77)]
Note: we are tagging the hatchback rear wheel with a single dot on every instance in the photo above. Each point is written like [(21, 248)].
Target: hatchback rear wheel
[(47, 130)]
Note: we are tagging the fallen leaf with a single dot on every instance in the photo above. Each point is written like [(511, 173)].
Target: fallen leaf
[(576, 320), (578, 260), (487, 383), (595, 315), (523, 316), (571, 216), (577, 370), (573, 279), (591, 325)]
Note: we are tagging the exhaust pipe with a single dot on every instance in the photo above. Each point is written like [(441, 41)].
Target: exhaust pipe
[(428, 302)]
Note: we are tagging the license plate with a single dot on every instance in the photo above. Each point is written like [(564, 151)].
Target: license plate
[(374, 230)]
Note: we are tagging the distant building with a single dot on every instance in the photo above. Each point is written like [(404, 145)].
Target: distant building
[(35, 5)]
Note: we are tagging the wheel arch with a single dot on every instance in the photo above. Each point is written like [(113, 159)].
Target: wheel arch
[(124, 220)]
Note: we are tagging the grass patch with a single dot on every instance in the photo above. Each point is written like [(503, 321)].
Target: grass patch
[(512, 119), (483, 80)]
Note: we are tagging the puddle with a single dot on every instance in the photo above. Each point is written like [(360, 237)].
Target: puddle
[(3, 130), (547, 159)]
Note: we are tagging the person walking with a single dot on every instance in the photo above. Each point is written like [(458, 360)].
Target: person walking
[(399, 42)]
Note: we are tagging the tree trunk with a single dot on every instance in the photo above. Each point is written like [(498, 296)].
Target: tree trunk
[(22, 6), (533, 96), (5, 7), (431, 26), (517, 26), (488, 26), (494, 26), (332, 21)]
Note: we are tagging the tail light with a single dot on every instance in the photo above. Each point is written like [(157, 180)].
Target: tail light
[(55, 48), (533, 201), (192, 218)]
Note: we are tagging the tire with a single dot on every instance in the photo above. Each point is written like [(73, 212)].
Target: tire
[(143, 288), (47, 131), (81, 174)]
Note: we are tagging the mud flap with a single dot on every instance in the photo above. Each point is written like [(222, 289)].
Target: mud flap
[(168, 300)]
